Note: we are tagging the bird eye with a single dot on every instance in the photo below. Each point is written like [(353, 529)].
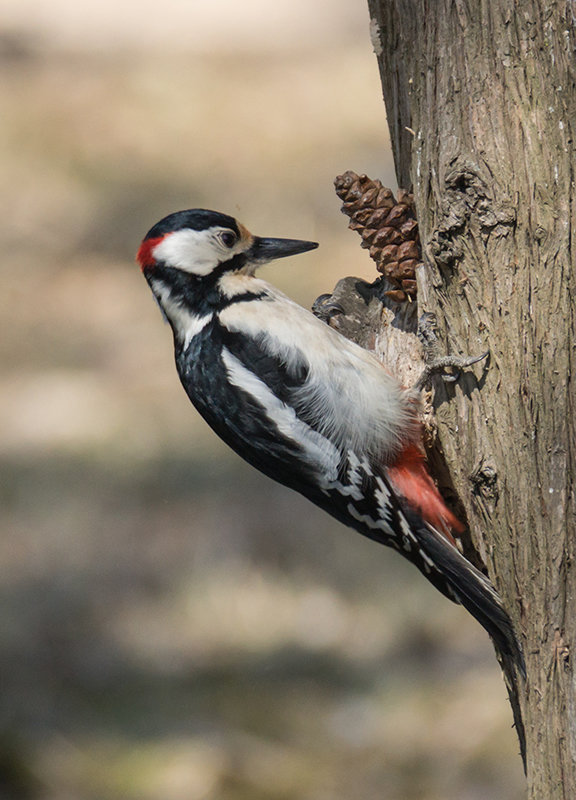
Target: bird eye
[(228, 238)]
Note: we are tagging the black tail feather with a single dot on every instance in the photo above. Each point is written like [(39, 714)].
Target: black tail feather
[(399, 526), (463, 583)]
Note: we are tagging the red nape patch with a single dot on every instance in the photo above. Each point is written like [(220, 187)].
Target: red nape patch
[(410, 477), (144, 255)]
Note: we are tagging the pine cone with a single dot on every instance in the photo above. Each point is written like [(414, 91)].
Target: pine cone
[(388, 228)]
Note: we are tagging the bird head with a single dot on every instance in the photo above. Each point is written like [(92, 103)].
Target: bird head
[(203, 243)]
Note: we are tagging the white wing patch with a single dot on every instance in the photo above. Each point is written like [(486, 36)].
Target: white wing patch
[(348, 395), (322, 454)]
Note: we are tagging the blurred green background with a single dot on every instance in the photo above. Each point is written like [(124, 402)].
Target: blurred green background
[(173, 625)]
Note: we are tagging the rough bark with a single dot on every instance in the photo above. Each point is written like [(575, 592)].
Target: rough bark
[(481, 103)]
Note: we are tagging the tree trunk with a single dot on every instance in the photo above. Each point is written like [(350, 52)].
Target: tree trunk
[(481, 102)]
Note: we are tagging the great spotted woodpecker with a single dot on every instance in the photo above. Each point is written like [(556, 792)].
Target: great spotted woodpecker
[(304, 405)]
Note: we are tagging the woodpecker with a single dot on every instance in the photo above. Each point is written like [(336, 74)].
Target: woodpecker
[(303, 404)]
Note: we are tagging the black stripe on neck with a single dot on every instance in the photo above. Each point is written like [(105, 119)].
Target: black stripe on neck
[(200, 293), (244, 297)]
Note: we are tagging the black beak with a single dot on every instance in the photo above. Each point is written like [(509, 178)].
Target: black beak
[(269, 249)]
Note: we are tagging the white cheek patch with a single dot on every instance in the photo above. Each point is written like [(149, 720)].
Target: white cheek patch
[(191, 251)]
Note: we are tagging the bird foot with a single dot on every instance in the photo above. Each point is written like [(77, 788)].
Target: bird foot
[(435, 363)]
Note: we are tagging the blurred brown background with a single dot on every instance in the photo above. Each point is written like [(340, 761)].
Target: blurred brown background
[(173, 625)]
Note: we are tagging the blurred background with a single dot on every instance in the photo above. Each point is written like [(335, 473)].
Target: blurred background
[(173, 625)]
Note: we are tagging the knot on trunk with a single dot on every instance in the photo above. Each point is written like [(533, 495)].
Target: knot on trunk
[(484, 480), (470, 205)]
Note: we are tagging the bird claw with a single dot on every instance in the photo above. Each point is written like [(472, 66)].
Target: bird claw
[(457, 363)]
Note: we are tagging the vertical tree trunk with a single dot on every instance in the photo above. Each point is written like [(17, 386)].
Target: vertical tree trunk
[(481, 102)]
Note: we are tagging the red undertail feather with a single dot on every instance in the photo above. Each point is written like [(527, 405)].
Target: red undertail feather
[(411, 480)]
